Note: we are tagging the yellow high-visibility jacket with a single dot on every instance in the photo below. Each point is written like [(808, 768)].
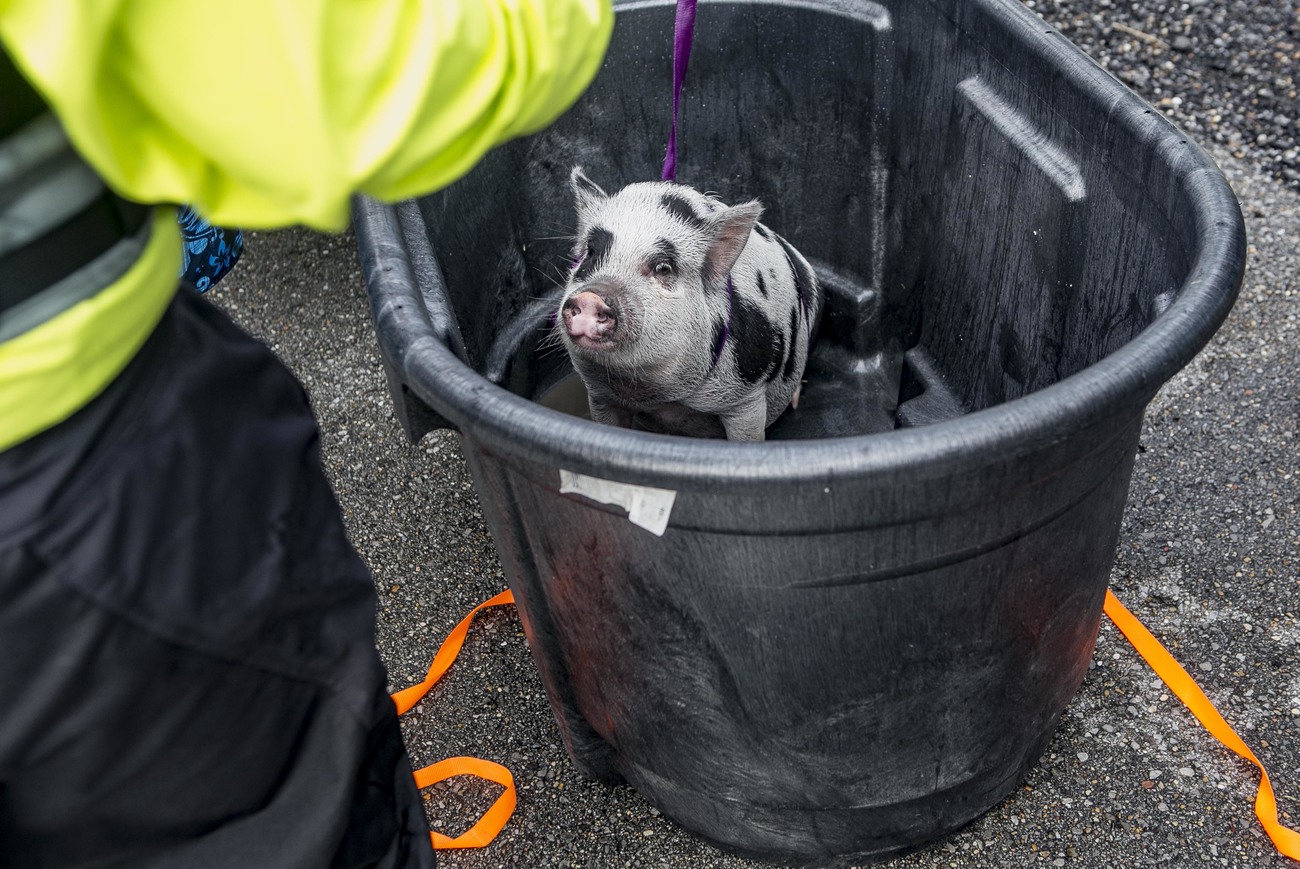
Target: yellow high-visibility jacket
[(266, 113)]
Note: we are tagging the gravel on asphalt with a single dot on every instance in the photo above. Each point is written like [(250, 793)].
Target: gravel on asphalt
[(1224, 72)]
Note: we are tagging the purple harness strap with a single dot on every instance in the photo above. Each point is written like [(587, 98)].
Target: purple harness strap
[(726, 330), (683, 31)]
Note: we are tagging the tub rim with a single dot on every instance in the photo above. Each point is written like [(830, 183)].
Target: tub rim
[(1121, 383)]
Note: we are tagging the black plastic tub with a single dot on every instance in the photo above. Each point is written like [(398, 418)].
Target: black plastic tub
[(854, 638)]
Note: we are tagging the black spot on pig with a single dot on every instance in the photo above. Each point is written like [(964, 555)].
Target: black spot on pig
[(762, 285), (762, 231), (665, 251), (803, 279), (755, 342), (680, 207), (794, 342), (599, 241), (782, 352)]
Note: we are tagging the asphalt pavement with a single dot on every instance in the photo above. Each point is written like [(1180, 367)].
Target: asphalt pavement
[(1209, 555)]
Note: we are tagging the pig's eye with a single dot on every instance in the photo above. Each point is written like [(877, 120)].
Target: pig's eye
[(663, 269)]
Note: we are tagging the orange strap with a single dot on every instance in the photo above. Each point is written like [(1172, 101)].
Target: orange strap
[(1286, 840), (494, 819)]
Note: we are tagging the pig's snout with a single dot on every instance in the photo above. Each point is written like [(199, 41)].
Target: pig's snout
[(589, 320)]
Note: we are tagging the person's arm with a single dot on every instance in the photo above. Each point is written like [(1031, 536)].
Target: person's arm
[(269, 112)]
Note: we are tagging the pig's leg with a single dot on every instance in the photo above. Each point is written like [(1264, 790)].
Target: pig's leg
[(747, 421), (609, 414)]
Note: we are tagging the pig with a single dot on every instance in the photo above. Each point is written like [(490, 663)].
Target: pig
[(683, 315)]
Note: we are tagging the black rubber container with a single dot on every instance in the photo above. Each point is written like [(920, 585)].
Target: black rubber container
[(856, 637)]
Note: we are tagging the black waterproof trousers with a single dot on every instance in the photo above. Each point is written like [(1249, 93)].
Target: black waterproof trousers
[(188, 676)]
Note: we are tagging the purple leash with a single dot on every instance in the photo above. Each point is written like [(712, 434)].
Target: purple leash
[(683, 31)]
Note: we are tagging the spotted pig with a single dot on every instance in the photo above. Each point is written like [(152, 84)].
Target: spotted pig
[(683, 315)]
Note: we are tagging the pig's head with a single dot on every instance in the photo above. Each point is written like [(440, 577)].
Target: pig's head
[(647, 283)]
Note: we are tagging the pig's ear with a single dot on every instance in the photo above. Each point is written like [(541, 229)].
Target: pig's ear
[(586, 193), (730, 229)]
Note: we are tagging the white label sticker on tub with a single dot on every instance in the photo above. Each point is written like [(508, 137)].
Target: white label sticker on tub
[(646, 506)]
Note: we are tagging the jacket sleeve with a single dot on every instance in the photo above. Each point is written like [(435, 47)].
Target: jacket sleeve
[(270, 112)]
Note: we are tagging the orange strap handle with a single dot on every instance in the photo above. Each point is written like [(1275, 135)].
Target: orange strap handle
[(1286, 840), (494, 819)]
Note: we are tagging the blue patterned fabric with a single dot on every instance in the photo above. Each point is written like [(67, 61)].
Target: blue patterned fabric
[(210, 251)]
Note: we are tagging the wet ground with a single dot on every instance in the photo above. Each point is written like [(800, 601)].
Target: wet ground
[(1209, 556)]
